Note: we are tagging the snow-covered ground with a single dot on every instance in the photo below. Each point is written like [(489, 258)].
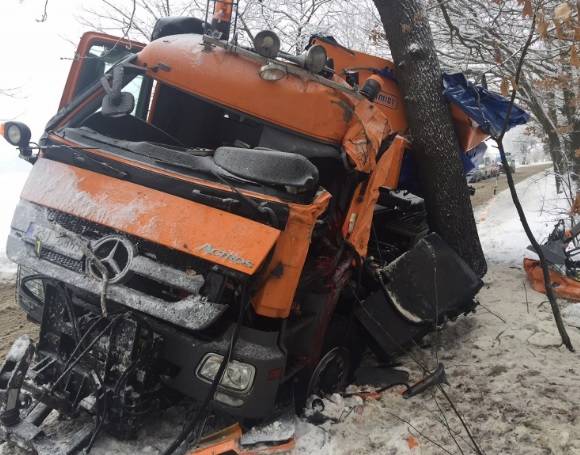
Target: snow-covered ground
[(500, 230), (516, 387)]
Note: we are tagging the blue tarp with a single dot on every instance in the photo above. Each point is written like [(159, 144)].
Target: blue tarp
[(486, 108)]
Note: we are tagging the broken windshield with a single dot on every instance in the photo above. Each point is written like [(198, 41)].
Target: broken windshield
[(174, 129)]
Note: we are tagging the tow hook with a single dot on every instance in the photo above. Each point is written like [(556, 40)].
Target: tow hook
[(12, 377), (438, 377)]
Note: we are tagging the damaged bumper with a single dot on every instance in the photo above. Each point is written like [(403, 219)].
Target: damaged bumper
[(40, 245)]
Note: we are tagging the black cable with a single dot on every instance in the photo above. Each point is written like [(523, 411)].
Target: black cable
[(100, 420), (87, 349), (188, 429), (262, 208), (82, 340)]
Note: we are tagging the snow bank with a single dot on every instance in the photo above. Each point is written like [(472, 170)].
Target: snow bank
[(502, 236)]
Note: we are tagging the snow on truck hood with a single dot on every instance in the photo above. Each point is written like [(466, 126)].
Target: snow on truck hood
[(208, 233)]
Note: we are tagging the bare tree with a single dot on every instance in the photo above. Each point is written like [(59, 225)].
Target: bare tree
[(136, 18), (485, 38)]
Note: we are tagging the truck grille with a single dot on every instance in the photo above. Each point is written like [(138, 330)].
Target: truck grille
[(62, 260)]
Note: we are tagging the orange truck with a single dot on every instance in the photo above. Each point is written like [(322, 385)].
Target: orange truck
[(216, 223)]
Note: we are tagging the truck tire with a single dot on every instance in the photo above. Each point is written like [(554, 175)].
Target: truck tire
[(341, 355)]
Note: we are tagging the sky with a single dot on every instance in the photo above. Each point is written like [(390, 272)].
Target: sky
[(35, 61)]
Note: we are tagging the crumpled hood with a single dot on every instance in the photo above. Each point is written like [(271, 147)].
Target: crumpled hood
[(208, 233)]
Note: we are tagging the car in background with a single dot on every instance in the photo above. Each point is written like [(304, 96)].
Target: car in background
[(473, 176)]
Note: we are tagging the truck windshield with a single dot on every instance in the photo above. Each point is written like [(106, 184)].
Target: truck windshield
[(179, 127)]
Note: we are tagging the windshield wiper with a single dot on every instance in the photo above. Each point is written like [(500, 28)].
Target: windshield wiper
[(83, 157), (261, 208)]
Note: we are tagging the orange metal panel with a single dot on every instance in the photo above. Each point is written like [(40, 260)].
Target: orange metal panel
[(301, 105), (224, 441), (390, 99), (205, 232), (563, 286), (469, 135), (227, 441), (275, 297), (357, 225)]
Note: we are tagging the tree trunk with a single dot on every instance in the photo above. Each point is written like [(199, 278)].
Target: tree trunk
[(547, 118), (435, 146), (556, 154), (569, 110)]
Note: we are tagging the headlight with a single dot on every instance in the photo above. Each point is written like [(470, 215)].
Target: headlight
[(238, 376), (272, 72), (13, 134), (16, 133)]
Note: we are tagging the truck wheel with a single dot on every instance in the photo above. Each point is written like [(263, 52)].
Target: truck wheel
[(332, 373), (341, 355)]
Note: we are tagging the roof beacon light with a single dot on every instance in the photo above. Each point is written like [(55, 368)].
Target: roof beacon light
[(316, 58), (267, 44)]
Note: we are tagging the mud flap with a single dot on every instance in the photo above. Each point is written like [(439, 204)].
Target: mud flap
[(421, 289)]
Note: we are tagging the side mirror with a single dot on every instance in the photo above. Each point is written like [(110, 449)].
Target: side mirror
[(116, 103), (17, 134)]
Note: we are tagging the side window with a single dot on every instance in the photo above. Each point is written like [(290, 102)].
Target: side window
[(99, 59), (95, 55), (137, 88)]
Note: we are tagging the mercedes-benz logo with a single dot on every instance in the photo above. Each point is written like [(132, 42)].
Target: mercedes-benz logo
[(116, 254)]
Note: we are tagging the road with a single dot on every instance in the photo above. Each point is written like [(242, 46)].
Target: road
[(487, 189)]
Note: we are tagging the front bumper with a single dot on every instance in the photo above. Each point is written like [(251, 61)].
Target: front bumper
[(255, 347)]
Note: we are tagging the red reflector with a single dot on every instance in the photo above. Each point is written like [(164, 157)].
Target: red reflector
[(274, 374)]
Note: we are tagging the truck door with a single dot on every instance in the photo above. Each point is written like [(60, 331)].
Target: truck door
[(96, 53)]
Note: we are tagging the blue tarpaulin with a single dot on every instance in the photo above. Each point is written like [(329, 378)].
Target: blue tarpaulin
[(486, 108)]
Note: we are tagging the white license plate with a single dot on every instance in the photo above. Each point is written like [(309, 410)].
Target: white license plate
[(53, 240)]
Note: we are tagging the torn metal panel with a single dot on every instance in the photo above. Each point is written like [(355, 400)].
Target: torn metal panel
[(424, 287), (430, 282)]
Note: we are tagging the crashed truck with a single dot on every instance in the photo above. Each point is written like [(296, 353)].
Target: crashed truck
[(218, 223)]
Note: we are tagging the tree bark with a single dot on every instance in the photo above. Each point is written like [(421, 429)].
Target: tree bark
[(558, 161), (569, 110), (435, 147)]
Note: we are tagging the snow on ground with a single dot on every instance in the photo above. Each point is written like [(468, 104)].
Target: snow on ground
[(500, 230), (516, 387)]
